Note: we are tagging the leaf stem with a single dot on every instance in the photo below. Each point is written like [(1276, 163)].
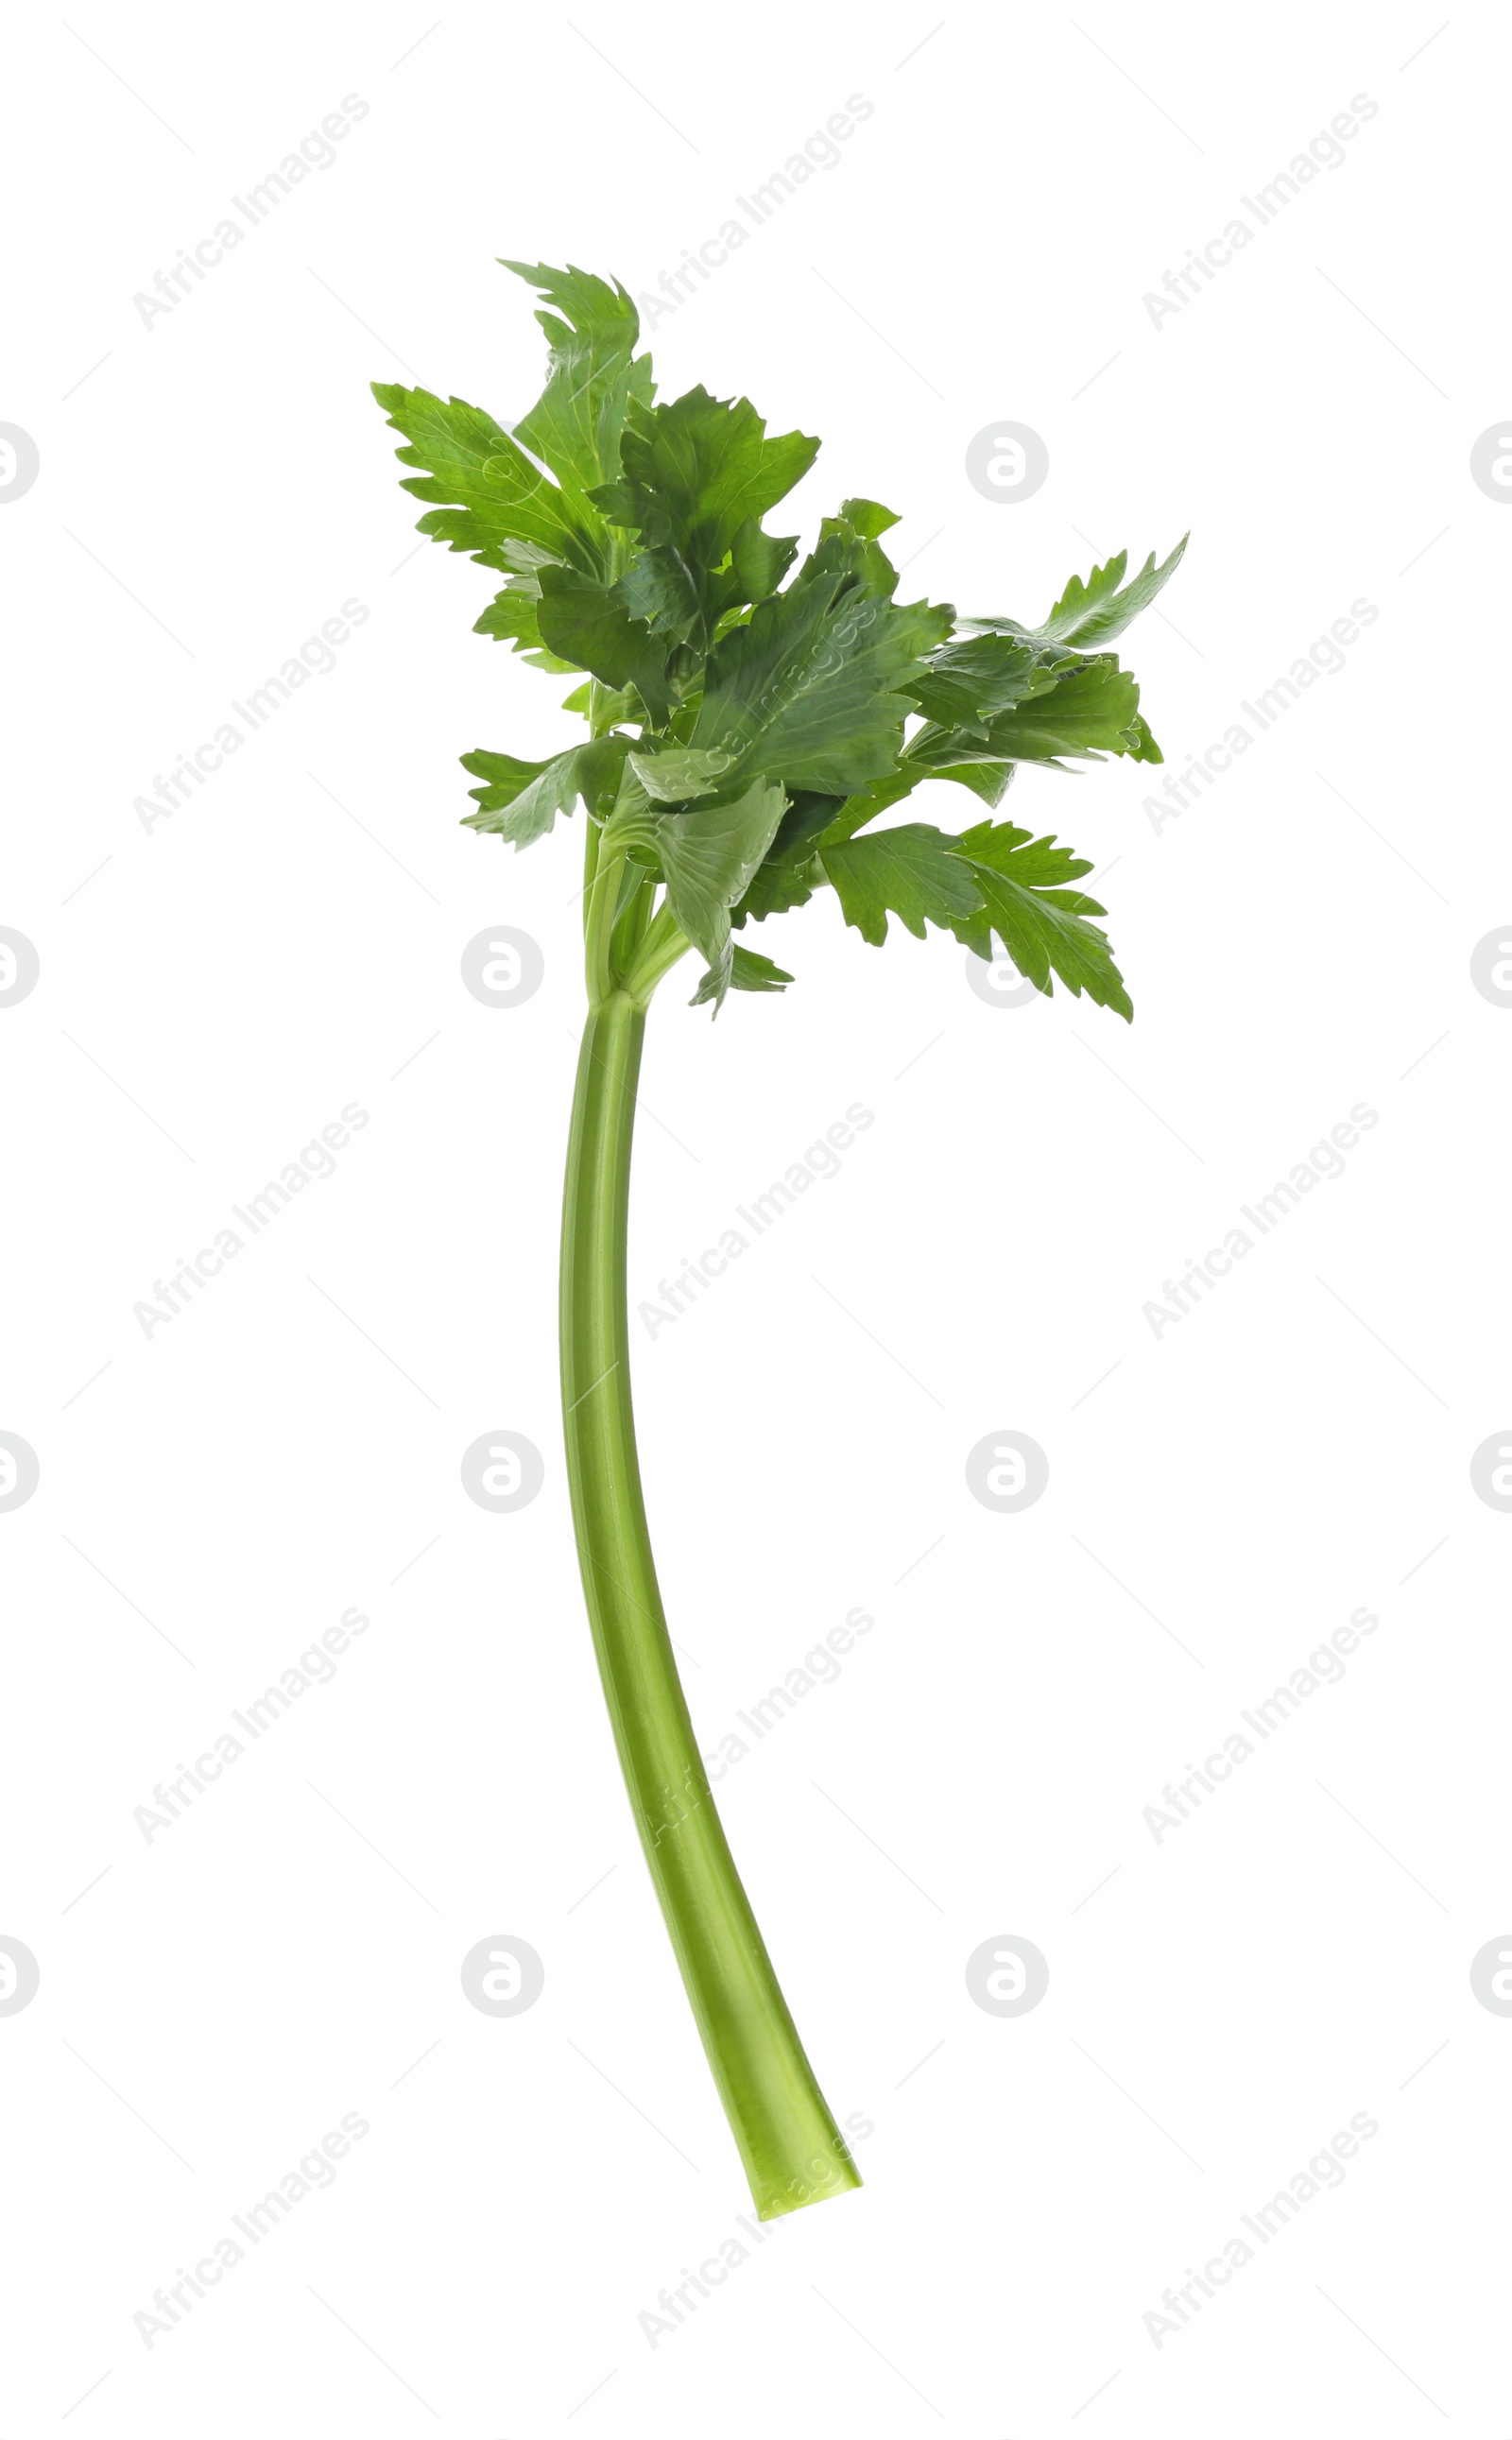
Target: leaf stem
[(664, 943), (793, 2151), (601, 914)]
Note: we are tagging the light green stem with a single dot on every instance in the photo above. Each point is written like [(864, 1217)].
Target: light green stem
[(793, 2151)]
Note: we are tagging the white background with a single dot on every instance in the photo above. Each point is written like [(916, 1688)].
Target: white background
[(214, 990)]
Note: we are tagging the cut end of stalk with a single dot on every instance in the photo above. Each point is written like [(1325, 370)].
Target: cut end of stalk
[(837, 2176)]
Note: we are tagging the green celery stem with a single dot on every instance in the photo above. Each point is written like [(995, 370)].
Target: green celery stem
[(793, 2151)]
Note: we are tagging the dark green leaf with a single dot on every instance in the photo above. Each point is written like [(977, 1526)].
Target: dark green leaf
[(521, 801), (760, 561), (910, 872), (511, 618), (808, 690), (843, 550), (611, 707), (1039, 919), (748, 972), (1088, 615), (656, 587), (969, 680), (709, 855), (1037, 864), (1142, 748), (501, 497), (1091, 710), (807, 819), (864, 806), (985, 778), (588, 625), (507, 776), (776, 890), (678, 774), (869, 518), (576, 425), (510, 615), (695, 471)]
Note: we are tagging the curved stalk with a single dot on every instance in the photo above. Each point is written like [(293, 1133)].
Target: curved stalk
[(661, 945), (793, 2151)]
